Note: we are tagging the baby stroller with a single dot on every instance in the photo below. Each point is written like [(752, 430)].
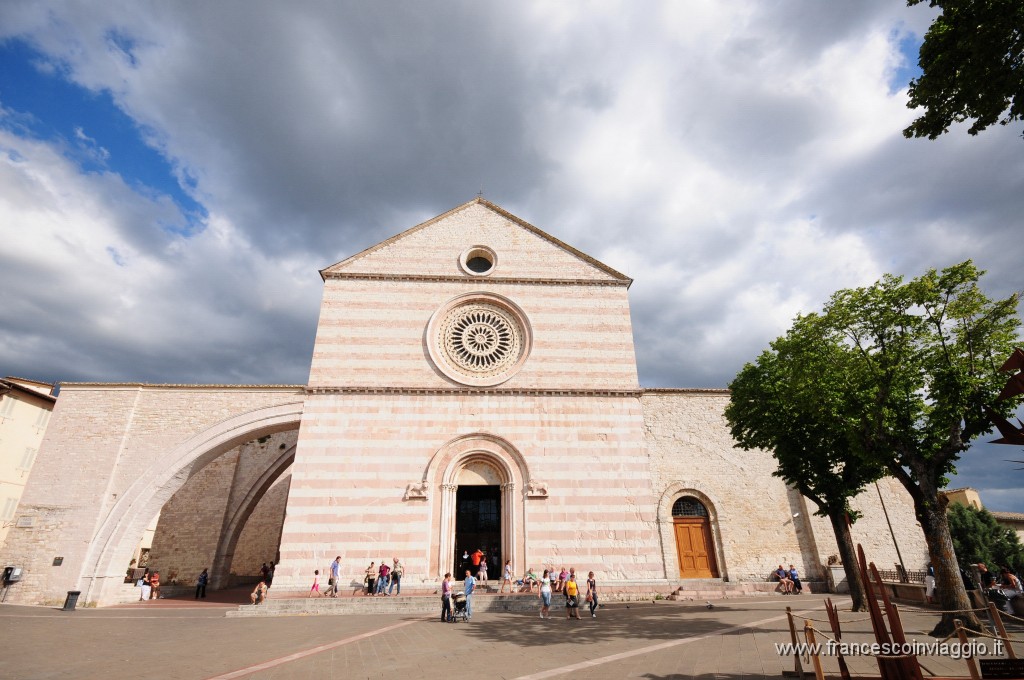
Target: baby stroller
[(459, 607), (1002, 598)]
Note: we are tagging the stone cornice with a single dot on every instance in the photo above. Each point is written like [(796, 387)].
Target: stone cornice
[(687, 390), (431, 278), (473, 391), (181, 386)]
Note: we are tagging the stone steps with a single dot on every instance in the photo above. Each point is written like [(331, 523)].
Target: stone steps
[(717, 589), (409, 605)]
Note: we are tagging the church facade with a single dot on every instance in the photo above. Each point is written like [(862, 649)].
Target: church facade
[(473, 385)]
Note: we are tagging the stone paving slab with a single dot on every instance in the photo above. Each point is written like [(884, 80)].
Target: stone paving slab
[(644, 640)]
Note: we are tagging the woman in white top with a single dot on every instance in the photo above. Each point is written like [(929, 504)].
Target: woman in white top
[(545, 596), (506, 577)]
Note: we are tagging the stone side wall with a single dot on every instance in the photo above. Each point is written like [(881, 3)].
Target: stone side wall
[(104, 442), (692, 450), (371, 334), (262, 533), (434, 250), (690, 446), (357, 454), (873, 532)]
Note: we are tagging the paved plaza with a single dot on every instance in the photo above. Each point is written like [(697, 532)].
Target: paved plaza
[(653, 640)]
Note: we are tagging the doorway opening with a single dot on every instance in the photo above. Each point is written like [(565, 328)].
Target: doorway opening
[(478, 527), (694, 544)]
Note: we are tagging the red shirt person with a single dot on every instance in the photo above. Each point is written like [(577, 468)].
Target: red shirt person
[(476, 557)]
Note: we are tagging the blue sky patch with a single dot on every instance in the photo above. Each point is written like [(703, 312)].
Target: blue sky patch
[(40, 102), (909, 45)]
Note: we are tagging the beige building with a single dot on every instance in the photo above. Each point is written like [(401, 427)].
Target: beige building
[(473, 384), (25, 407)]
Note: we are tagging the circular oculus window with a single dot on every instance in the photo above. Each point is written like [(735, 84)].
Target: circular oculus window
[(479, 339), (478, 261)]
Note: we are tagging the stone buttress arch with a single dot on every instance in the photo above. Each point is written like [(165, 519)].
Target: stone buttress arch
[(114, 541), (441, 477), (672, 493), (232, 529)]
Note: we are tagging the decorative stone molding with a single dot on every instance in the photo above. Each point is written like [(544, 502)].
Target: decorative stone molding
[(415, 491), (535, 489)]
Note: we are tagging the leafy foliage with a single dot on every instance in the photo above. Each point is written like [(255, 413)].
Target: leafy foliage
[(928, 357), (978, 537), (972, 60), (792, 402)]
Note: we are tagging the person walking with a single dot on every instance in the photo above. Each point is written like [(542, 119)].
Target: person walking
[(506, 577), (592, 595), (572, 598), (470, 586), (201, 584), (545, 597), (397, 571), (315, 588), (333, 582), (446, 598), (383, 578), (482, 574)]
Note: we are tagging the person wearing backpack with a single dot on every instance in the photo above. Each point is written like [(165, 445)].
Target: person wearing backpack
[(397, 571)]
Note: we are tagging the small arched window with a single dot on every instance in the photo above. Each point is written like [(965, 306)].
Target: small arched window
[(687, 506)]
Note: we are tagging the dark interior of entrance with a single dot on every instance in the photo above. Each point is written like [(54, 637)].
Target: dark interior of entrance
[(478, 525)]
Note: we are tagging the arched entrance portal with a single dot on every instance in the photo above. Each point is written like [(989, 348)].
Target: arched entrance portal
[(481, 480), (694, 544)]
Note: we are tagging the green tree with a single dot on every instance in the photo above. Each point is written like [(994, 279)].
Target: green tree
[(972, 62), (978, 537), (792, 402), (927, 358)]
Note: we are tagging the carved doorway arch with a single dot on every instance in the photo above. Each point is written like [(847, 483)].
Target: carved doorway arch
[(476, 459)]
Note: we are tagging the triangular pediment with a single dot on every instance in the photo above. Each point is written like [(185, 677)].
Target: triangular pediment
[(437, 248)]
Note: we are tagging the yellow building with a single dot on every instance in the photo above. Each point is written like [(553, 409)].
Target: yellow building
[(25, 407)]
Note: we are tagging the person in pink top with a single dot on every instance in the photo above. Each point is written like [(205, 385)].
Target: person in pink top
[(315, 588)]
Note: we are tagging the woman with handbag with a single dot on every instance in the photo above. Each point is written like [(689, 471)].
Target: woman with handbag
[(572, 598), (592, 595), (371, 578)]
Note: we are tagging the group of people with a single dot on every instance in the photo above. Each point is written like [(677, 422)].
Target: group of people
[(564, 582), (789, 580), (380, 580), (149, 585), (547, 584), (383, 580)]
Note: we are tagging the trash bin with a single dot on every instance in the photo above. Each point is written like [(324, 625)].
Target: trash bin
[(72, 600)]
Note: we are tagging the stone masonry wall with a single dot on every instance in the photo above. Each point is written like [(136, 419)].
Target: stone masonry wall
[(689, 440), (190, 523), (691, 449), (101, 440), (358, 453)]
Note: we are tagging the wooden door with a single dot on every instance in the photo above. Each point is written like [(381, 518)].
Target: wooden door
[(694, 548)]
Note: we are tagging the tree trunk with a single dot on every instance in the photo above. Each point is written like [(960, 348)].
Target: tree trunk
[(948, 583), (849, 556)]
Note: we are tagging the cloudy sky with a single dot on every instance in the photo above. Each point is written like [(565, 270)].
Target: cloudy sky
[(173, 175)]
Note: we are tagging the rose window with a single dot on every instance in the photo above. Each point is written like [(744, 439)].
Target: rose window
[(478, 341)]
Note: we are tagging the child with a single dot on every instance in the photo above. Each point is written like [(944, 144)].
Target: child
[(316, 584)]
